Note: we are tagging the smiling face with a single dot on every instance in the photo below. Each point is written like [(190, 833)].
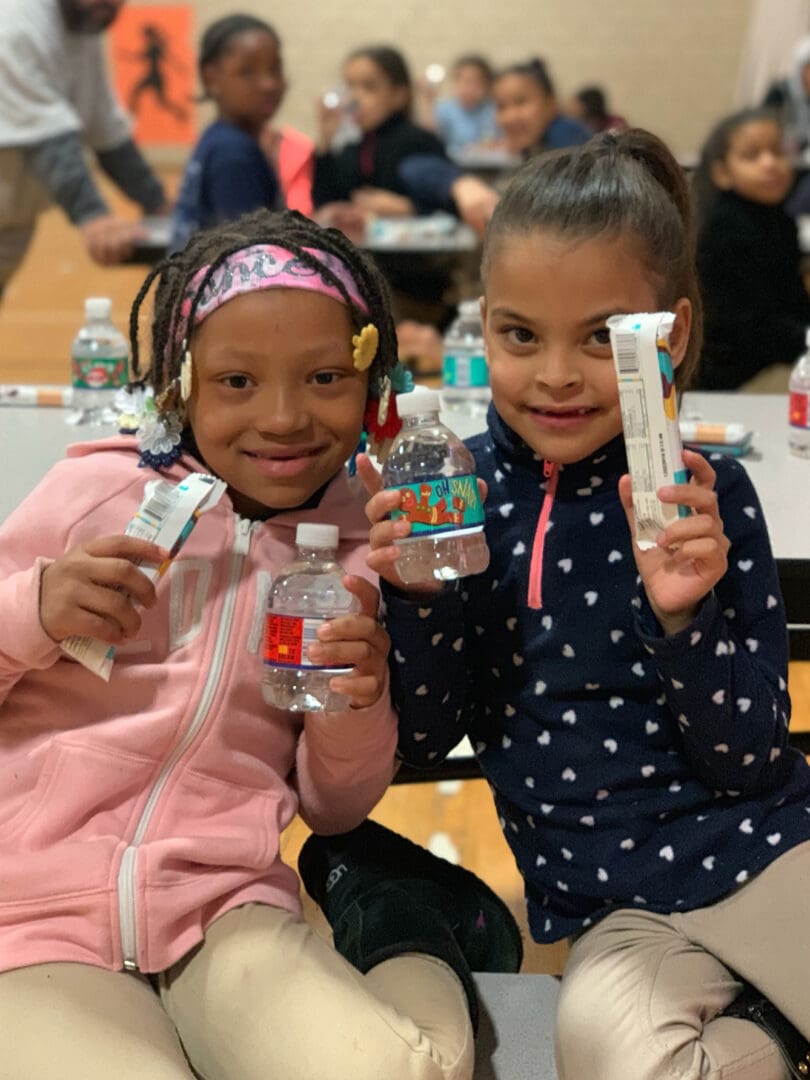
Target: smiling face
[(375, 96), (277, 405), (756, 165), (523, 110), (247, 80), (546, 302)]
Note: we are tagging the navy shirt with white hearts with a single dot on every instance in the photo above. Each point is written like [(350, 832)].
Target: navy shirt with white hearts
[(629, 768)]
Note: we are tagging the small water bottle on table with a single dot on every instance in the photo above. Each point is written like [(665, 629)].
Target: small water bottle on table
[(799, 410), (99, 365), (435, 472), (465, 375), (307, 592)]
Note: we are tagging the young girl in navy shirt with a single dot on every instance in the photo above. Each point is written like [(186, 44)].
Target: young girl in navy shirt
[(629, 708), (228, 174)]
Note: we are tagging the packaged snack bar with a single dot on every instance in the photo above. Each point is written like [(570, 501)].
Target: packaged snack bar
[(641, 353), (166, 516)]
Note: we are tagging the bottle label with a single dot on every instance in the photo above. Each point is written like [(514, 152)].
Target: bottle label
[(464, 371), (99, 372), (799, 409), (447, 504), (287, 638)]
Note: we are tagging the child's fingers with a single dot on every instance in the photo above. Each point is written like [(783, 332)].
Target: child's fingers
[(626, 499), (366, 593), (90, 624), (364, 690), (127, 547), (483, 490), (703, 549), (113, 606), (696, 496), (690, 528), (122, 574), (702, 472), (368, 474), (381, 504), (351, 630)]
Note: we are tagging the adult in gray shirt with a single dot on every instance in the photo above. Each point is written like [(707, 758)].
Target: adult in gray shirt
[(55, 101)]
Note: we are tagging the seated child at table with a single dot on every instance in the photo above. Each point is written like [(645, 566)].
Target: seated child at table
[(528, 113), (756, 306), (467, 117), (396, 168), (628, 707), (150, 927), (229, 174)]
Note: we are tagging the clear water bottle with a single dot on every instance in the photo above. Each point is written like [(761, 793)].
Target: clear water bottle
[(99, 365), (465, 375), (436, 474), (307, 592), (799, 415)]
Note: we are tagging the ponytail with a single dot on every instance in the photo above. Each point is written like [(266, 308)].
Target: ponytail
[(616, 184)]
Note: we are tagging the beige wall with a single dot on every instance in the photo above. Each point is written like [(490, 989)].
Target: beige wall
[(670, 65)]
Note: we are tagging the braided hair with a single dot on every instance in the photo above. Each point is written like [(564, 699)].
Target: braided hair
[(173, 318)]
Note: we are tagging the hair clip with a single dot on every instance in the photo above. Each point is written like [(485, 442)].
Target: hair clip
[(365, 346)]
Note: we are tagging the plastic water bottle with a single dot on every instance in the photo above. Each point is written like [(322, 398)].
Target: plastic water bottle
[(307, 592), (436, 473), (99, 365), (465, 376), (799, 415)]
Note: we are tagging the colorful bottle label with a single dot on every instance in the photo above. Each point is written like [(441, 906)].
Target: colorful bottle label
[(99, 372), (447, 504), (287, 638), (799, 414), (465, 371)]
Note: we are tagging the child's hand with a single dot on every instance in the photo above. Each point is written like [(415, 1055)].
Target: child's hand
[(92, 589), (382, 203), (358, 640), (691, 556), (384, 532)]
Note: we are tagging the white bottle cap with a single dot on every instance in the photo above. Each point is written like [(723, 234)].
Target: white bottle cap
[(418, 401), (317, 536), (97, 307)]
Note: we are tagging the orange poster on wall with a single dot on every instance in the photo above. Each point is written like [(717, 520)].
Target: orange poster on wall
[(154, 72)]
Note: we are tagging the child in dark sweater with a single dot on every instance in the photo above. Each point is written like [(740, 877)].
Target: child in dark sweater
[(756, 307), (628, 708)]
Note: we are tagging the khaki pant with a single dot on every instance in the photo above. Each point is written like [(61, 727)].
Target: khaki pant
[(22, 199), (641, 993), (263, 998)]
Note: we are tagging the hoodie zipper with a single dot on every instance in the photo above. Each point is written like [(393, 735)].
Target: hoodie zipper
[(551, 472), (127, 870)]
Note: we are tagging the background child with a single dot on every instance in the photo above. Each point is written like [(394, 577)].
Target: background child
[(228, 174), (397, 168), (757, 308), (467, 117), (589, 106), (528, 114), (628, 708), (141, 817)]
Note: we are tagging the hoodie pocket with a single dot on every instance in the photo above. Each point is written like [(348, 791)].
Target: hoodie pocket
[(83, 794)]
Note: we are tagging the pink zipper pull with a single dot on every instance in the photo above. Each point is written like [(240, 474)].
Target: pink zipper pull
[(551, 472)]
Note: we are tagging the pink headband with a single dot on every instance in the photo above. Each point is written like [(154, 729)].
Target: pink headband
[(267, 266)]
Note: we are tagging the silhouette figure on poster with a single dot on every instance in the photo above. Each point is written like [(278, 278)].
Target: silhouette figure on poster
[(155, 56)]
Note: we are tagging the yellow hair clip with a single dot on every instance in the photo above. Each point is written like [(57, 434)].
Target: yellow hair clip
[(365, 346)]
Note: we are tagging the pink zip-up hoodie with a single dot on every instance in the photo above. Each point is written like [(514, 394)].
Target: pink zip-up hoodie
[(133, 813)]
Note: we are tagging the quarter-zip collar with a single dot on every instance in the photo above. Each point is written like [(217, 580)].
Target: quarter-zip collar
[(593, 475)]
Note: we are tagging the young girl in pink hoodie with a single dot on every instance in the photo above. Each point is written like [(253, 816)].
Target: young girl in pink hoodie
[(148, 925)]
